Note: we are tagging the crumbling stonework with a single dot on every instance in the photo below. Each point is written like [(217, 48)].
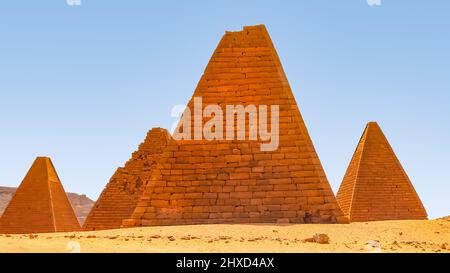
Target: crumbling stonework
[(376, 187), (40, 204), (119, 199)]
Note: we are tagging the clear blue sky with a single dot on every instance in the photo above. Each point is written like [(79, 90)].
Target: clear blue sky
[(83, 84)]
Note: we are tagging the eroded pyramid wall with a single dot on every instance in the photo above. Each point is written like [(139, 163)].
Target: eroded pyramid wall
[(40, 204), (120, 196), (234, 181), (375, 186)]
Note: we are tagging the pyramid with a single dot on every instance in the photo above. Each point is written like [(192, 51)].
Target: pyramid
[(119, 198), (236, 181), (375, 186), (40, 204)]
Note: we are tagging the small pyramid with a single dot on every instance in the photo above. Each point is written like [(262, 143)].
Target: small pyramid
[(119, 199), (40, 204), (375, 186), (235, 181)]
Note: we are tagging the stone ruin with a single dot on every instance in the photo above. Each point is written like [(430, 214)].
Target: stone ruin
[(120, 197), (225, 181)]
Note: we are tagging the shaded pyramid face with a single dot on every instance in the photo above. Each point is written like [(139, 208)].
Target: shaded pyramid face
[(375, 186), (235, 181), (40, 204), (120, 196)]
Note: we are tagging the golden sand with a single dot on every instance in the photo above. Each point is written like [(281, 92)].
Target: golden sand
[(393, 236)]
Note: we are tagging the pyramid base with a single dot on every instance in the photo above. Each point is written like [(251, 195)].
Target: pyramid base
[(326, 219)]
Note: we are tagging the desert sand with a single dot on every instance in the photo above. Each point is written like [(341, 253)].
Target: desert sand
[(422, 236)]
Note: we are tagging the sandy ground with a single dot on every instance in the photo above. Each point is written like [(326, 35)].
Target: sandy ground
[(393, 236)]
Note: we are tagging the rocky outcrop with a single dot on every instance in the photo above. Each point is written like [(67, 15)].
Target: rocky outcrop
[(6, 194), (81, 204)]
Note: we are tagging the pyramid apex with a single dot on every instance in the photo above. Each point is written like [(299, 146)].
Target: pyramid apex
[(41, 163), (249, 28), (43, 159), (261, 26), (372, 127), (157, 129)]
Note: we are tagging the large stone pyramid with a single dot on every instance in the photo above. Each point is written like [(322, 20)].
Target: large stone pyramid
[(119, 199), (375, 186), (236, 181), (40, 204)]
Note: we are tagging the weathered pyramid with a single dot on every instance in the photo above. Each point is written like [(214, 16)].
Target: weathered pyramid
[(40, 204), (119, 199), (235, 181), (375, 186)]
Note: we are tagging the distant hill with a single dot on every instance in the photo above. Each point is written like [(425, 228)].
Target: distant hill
[(81, 203), (6, 194)]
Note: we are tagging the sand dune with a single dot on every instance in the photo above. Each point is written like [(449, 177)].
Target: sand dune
[(392, 236)]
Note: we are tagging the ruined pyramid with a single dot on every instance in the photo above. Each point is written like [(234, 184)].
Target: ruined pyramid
[(120, 196), (168, 181), (375, 186), (237, 181), (40, 204)]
